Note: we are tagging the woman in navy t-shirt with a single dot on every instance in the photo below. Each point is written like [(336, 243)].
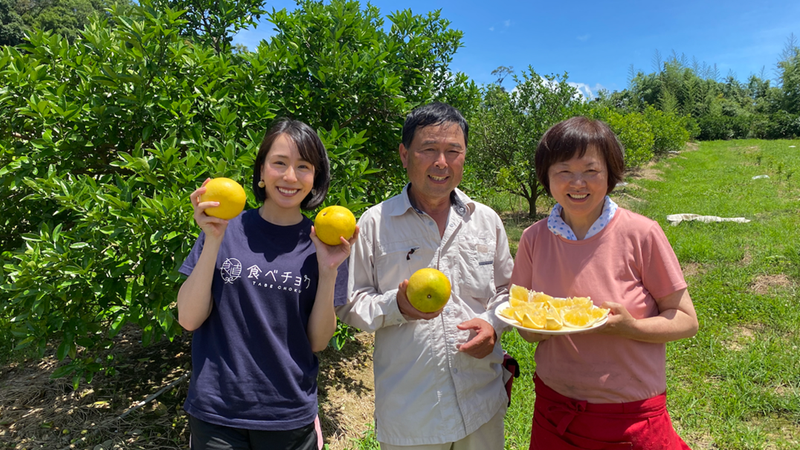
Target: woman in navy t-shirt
[(260, 298)]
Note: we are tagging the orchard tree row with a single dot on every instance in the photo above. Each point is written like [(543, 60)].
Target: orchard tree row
[(102, 138)]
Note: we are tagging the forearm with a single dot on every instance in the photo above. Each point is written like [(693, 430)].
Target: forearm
[(677, 320), (194, 297), (668, 326), (370, 311), (322, 322)]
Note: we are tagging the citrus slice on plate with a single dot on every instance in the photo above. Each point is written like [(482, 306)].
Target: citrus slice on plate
[(583, 317), (540, 297), (518, 295), (535, 319), (554, 321)]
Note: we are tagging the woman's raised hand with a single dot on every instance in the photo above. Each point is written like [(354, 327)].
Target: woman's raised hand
[(330, 257), (214, 227)]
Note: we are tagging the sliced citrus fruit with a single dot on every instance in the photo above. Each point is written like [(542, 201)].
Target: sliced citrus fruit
[(585, 302), (518, 295), (535, 319), (554, 321), (577, 318), (540, 297), (559, 303)]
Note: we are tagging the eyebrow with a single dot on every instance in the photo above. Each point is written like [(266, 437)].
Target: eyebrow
[(434, 141)]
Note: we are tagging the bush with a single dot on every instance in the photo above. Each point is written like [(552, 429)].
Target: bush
[(634, 133), (103, 139), (669, 130)]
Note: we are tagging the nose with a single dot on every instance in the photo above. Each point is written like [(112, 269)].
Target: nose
[(577, 178), (290, 175), (441, 160)]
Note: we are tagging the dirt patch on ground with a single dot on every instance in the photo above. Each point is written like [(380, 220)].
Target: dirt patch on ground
[(692, 269), (763, 284), (742, 336), (346, 392), (646, 172), (691, 146), (37, 412)]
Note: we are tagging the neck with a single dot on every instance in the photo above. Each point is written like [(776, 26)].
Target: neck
[(437, 208), (279, 216), (580, 225)]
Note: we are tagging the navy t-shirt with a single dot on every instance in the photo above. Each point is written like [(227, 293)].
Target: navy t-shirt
[(252, 364)]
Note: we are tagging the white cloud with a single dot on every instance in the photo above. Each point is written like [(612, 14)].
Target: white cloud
[(583, 37), (507, 23), (585, 90), (491, 28)]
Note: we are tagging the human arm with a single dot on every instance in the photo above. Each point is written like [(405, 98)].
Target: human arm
[(322, 321), (194, 297), (368, 307), (677, 319), (662, 277)]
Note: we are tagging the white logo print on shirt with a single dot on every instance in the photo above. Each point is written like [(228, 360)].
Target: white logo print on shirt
[(231, 270)]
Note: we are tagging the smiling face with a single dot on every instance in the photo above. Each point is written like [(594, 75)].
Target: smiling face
[(579, 185), (435, 161), (288, 178)]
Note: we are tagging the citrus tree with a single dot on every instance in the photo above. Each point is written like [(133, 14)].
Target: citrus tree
[(507, 127), (102, 140)]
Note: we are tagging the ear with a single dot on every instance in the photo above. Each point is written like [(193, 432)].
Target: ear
[(403, 155)]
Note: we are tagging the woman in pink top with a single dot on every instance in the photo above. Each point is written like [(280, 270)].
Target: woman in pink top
[(604, 389)]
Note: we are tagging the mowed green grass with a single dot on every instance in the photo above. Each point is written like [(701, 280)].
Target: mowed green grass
[(736, 385)]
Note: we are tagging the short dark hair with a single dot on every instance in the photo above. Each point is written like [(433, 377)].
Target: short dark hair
[(435, 113), (574, 136), (311, 149)]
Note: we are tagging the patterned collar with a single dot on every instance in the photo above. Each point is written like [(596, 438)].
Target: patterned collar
[(560, 228)]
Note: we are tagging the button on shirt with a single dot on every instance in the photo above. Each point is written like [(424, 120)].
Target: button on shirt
[(426, 391)]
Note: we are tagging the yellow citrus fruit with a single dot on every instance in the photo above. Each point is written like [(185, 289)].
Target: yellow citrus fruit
[(518, 295), (554, 321), (583, 317), (334, 221), (559, 303), (577, 318), (536, 319), (428, 290), (583, 302), (540, 297), (228, 193)]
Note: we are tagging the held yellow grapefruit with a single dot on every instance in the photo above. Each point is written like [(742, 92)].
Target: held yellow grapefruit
[(428, 290), (332, 222), (228, 193)]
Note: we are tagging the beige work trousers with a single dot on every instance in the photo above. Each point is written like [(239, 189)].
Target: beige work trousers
[(488, 437)]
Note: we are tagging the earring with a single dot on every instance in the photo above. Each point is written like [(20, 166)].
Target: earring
[(261, 184)]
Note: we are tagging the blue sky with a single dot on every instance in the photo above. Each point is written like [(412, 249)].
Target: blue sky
[(597, 42)]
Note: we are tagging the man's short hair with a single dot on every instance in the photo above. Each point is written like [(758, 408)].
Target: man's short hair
[(435, 113)]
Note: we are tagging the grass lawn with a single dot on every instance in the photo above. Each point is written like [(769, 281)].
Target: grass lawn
[(736, 385)]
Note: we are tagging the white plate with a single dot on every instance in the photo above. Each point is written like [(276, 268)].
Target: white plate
[(565, 330)]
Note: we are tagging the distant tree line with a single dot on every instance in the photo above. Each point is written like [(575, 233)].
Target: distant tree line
[(720, 108)]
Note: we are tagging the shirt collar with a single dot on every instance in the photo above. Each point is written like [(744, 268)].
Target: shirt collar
[(459, 202), (560, 228)]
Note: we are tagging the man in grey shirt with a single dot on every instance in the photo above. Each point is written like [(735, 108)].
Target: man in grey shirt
[(438, 376)]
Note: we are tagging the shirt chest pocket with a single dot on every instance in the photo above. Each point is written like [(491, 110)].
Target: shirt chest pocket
[(477, 255), (396, 261)]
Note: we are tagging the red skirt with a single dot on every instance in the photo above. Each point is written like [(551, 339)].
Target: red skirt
[(561, 423)]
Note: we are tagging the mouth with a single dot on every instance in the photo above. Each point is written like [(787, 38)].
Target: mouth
[(438, 179), (289, 192), (577, 196)]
